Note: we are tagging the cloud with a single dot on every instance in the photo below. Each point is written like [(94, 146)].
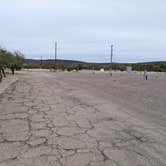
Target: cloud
[(85, 29)]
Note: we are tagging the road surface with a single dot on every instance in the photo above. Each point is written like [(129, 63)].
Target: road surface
[(81, 119)]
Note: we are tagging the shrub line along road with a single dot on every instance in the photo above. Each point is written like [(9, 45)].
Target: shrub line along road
[(80, 119)]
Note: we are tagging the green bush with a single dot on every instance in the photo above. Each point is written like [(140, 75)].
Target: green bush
[(9, 60)]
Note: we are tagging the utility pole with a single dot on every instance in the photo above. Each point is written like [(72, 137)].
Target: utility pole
[(56, 55), (55, 51), (112, 46), (41, 61)]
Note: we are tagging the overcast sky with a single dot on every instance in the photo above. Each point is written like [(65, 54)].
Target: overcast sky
[(85, 29)]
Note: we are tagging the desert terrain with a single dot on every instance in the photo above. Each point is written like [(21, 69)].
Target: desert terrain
[(83, 119)]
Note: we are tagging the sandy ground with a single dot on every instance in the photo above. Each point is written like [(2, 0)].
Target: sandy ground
[(84, 119)]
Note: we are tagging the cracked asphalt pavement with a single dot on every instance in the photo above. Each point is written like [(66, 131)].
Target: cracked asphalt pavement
[(74, 119)]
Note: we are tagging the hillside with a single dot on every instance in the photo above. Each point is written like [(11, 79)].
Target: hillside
[(34, 61), (71, 64)]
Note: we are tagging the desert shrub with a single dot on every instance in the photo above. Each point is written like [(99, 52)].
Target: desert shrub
[(8, 59)]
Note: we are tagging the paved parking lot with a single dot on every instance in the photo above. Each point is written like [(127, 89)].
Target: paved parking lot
[(74, 119)]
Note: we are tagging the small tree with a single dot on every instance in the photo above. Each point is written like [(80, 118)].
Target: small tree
[(14, 61), (18, 60)]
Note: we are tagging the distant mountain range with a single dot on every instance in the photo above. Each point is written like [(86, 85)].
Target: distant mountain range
[(74, 62), (159, 66), (51, 61)]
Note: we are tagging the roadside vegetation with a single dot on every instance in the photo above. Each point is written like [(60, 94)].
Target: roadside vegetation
[(8, 60), (151, 66)]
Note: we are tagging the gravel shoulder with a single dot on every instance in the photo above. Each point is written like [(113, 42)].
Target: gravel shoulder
[(7, 82)]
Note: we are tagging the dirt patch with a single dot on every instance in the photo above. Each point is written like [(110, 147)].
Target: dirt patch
[(7, 82)]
